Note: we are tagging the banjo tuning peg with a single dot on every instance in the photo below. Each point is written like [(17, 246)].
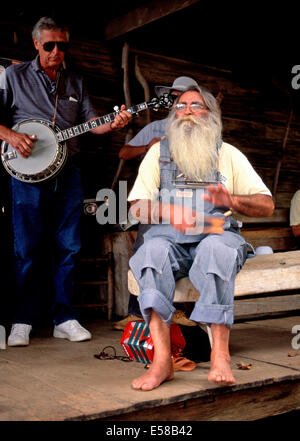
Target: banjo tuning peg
[(155, 103)]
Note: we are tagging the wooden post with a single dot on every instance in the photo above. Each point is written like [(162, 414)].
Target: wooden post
[(122, 246), (143, 82), (278, 167)]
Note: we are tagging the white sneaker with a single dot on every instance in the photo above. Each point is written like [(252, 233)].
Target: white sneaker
[(19, 335), (72, 330)]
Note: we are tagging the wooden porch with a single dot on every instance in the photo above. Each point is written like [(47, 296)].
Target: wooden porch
[(56, 380)]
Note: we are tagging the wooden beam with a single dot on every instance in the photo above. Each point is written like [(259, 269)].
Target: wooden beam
[(280, 215), (143, 15), (266, 399)]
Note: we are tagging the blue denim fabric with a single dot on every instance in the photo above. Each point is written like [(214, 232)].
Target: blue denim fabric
[(211, 265), (153, 266), (216, 261), (46, 227)]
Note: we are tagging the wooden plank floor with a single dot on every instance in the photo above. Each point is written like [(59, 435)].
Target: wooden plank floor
[(55, 380)]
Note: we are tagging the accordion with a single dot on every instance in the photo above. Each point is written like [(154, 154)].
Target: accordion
[(138, 345)]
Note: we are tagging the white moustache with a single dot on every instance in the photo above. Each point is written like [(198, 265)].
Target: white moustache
[(189, 118)]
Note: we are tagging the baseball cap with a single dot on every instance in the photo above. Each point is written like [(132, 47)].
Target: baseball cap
[(181, 83)]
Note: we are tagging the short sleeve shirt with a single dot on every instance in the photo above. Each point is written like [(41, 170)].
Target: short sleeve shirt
[(236, 173), (155, 129), (27, 92), (295, 209)]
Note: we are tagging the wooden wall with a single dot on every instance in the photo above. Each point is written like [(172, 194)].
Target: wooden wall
[(257, 120), (256, 109)]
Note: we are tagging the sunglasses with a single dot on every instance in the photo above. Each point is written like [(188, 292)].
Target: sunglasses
[(62, 46)]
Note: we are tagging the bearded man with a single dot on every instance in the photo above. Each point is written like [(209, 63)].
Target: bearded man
[(189, 174)]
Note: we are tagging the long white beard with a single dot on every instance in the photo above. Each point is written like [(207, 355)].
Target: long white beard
[(193, 142)]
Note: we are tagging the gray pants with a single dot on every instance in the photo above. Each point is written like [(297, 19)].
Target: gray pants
[(211, 264)]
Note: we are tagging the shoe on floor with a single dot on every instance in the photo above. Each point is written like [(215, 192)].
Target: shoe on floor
[(180, 318), (121, 325), (19, 335), (71, 330)]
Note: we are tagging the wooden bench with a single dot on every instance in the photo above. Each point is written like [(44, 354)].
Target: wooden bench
[(267, 284), (261, 275)]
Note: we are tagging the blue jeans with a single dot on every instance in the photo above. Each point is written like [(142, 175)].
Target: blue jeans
[(211, 264), (46, 228)]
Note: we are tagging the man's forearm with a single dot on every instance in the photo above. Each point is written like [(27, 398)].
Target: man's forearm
[(5, 133), (257, 205), (130, 152), (154, 212), (296, 230)]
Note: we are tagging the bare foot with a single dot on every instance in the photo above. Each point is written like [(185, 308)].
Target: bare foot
[(155, 376), (220, 371)]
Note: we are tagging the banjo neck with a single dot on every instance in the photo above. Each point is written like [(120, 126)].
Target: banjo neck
[(50, 149), (64, 135)]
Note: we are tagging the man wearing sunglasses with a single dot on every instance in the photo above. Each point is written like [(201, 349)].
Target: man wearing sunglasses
[(189, 174), (46, 215)]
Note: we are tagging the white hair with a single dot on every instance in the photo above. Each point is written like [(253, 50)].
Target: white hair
[(193, 140), (47, 23), (208, 98)]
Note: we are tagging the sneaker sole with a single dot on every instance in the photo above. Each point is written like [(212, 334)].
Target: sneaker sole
[(17, 343), (59, 334)]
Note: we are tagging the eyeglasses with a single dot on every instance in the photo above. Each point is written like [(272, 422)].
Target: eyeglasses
[(197, 105), (62, 46)]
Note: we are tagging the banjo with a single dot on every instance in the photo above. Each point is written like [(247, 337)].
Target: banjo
[(49, 153)]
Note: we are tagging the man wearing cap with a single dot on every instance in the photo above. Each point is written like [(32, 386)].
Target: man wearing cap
[(153, 131), (189, 177), (137, 147)]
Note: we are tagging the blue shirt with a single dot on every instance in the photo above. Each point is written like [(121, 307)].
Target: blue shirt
[(155, 129), (27, 92)]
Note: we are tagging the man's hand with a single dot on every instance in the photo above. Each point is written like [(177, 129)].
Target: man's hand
[(187, 221), (252, 205), (181, 218), (122, 119), (218, 195), (21, 142)]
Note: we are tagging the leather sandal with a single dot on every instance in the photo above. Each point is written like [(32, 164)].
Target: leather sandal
[(183, 364)]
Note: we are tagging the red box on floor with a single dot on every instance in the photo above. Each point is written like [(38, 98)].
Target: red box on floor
[(138, 345)]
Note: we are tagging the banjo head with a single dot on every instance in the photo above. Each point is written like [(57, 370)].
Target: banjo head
[(47, 156)]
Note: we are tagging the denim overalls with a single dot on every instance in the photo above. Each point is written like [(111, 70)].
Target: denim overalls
[(210, 260)]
